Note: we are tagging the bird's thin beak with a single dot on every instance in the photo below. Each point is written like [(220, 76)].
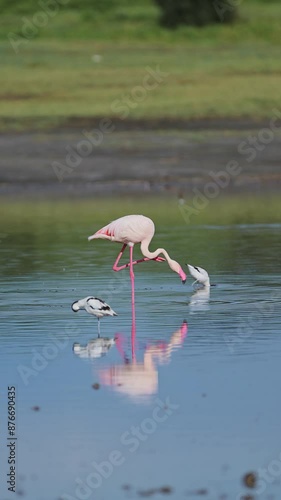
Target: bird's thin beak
[(183, 282)]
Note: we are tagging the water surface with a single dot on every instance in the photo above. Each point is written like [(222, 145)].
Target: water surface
[(185, 408)]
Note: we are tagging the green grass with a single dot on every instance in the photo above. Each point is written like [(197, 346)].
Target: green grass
[(217, 71), (124, 20)]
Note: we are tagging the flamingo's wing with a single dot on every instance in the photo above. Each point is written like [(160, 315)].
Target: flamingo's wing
[(127, 229)]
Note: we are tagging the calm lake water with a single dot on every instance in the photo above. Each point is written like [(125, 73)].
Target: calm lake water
[(181, 410)]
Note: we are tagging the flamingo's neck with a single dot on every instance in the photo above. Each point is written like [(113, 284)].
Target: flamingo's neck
[(152, 255)]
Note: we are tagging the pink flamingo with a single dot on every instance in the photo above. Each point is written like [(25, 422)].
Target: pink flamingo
[(132, 229)]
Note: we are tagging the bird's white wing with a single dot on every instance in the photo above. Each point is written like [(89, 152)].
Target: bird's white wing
[(97, 304)]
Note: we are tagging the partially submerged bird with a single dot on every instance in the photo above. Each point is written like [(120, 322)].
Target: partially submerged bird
[(94, 306), (200, 275)]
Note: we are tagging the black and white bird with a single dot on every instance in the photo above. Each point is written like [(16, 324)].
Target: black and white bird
[(94, 306), (200, 275)]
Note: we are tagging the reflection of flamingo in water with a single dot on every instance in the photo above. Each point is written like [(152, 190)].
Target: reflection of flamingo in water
[(130, 230), (138, 379)]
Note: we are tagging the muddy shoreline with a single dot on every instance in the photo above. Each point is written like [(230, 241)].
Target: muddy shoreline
[(137, 160)]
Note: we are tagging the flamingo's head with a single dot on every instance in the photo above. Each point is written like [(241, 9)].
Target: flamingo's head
[(177, 268)]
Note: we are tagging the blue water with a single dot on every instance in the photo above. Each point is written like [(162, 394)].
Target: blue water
[(190, 413)]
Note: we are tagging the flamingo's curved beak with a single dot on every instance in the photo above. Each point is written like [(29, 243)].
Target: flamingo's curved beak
[(182, 276)]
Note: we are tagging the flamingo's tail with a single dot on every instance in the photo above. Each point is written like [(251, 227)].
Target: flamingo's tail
[(103, 233)]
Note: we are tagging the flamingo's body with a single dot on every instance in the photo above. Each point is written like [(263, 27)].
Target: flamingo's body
[(130, 230)]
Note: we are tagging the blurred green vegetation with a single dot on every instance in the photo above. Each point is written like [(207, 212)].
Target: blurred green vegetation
[(92, 214), (196, 12), (123, 20), (91, 54), (51, 236), (52, 82)]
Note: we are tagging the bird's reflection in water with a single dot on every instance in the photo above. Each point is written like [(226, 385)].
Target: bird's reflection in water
[(139, 379), (199, 301), (96, 348)]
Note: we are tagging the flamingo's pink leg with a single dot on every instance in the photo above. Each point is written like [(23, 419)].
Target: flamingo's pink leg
[(132, 278), (133, 338), (133, 302), (119, 268), (115, 266)]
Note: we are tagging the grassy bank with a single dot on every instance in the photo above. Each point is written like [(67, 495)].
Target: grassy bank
[(137, 21), (86, 65)]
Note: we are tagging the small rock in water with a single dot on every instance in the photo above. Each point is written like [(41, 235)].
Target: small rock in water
[(250, 479), (147, 493), (96, 386), (126, 487), (165, 490), (200, 492), (35, 408)]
